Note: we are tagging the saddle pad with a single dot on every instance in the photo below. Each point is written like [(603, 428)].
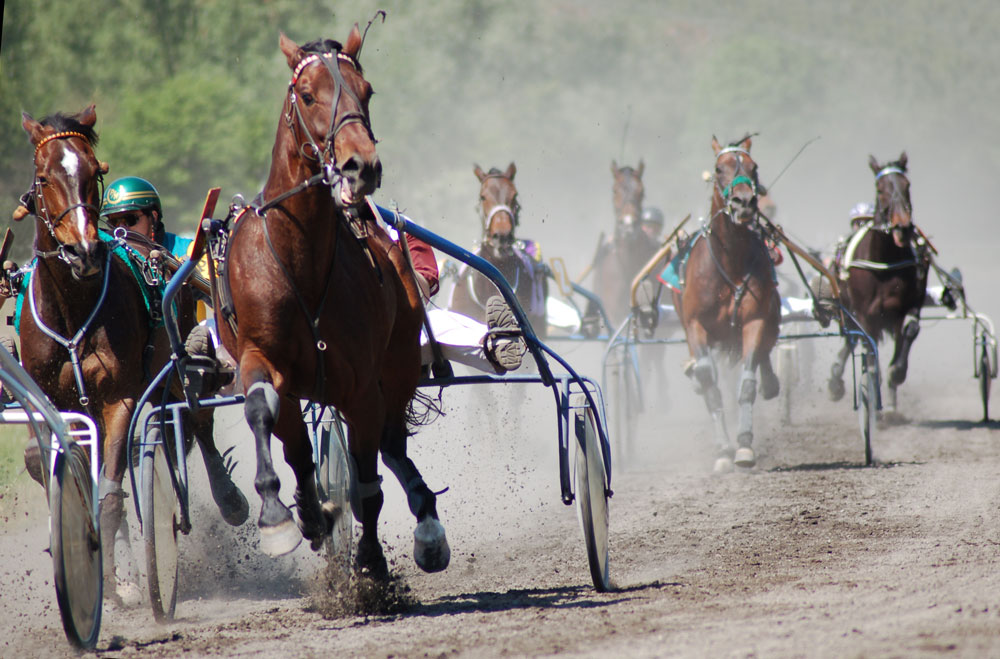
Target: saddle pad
[(852, 246), (150, 294), (673, 275)]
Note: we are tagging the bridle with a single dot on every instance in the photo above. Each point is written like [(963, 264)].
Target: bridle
[(329, 175), (513, 210), (621, 222), (41, 211), (740, 178), (881, 215)]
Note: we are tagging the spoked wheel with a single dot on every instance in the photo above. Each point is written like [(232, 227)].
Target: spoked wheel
[(625, 401), (160, 523), (592, 494), (76, 547), (335, 485), (867, 401), (985, 378)]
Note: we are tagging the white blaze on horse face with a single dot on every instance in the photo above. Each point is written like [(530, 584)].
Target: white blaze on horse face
[(71, 165)]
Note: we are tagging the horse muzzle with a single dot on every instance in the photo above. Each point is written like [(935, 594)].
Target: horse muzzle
[(85, 262), (361, 177)]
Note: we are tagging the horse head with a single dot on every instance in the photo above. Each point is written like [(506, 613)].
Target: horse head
[(66, 191), (627, 192), (735, 181), (327, 111), (499, 206), (893, 210)]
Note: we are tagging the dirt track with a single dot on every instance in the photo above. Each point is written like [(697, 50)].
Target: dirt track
[(808, 555)]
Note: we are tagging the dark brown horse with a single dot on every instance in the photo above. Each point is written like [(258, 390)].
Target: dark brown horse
[(87, 337), (518, 260), (885, 268), (326, 310), (619, 258), (730, 300)]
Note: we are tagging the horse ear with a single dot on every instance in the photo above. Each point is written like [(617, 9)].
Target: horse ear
[(291, 50), (902, 161), (641, 169), (716, 147), (614, 167), (31, 127), (353, 45), (88, 117), (745, 144), (876, 168), (511, 170), (478, 171)]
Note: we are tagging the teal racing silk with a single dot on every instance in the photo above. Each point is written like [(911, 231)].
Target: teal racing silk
[(151, 295), (673, 275)]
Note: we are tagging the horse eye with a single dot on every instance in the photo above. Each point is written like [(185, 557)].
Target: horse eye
[(308, 99)]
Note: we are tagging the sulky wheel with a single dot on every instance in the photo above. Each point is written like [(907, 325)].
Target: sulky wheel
[(335, 483), (867, 401), (160, 523), (592, 494), (76, 547), (985, 378)]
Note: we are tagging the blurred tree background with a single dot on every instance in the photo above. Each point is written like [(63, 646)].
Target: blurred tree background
[(188, 94)]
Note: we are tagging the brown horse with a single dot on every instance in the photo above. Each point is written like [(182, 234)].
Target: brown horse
[(730, 300), (885, 267), (517, 260), (326, 310), (87, 336), (620, 258)]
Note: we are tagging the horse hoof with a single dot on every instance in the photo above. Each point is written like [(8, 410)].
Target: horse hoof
[(430, 546), (234, 507), (723, 464), (744, 457), (371, 561), (769, 387), (836, 389), (281, 539)]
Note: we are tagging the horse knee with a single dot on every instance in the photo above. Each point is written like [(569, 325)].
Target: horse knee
[(748, 389), (262, 405), (704, 374)]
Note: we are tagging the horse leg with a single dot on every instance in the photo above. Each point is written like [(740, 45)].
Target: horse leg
[(705, 375), (430, 545), (366, 494), (901, 355), (278, 533), (770, 386), (111, 498), (315, 521), (232, 504), (835, 385)]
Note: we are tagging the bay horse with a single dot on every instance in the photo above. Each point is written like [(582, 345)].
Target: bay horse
[(730, 301), (885, 268), (619, 258), (325, 309), (499, 210), (87, 335)]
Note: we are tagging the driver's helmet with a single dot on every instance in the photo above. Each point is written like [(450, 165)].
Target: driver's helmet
[(862, 211), (130, 193), (653, 216)]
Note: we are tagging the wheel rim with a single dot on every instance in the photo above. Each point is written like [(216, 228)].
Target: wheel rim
[(984, 382), (76, 549), (335, 472), (591, 498), (160, 533)]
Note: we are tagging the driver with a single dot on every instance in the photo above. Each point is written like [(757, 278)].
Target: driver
[(133, 203)]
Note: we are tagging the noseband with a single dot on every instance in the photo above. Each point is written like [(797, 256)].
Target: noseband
[(740, 178), (38, 200)]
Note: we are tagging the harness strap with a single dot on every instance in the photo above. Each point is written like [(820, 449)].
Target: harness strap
[(71, 344)]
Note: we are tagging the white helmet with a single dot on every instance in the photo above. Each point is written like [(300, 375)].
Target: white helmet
[(863, 209)]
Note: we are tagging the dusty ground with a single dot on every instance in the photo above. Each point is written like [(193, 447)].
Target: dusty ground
[(810, 554)]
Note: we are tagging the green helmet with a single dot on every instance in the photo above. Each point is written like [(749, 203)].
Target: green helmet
[(130, 193)]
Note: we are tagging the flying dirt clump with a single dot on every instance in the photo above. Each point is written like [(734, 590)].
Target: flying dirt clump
[(341, 592)]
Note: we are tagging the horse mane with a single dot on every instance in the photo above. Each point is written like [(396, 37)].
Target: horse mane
[(320, 46), (66, 123), (901, 164), (743, 139), (494, 171)]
